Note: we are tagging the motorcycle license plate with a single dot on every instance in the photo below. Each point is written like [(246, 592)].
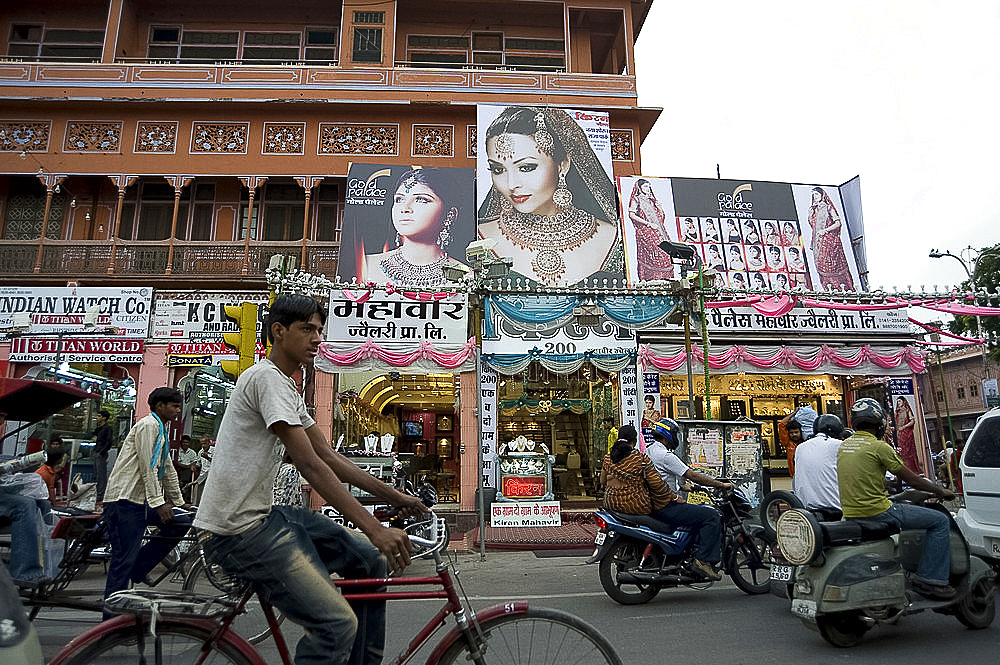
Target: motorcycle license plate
[(782, 573), (804, 609), (599, 538)]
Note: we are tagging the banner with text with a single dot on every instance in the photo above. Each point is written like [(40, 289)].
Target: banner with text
[(76, 349), (525, 513), (395, 319)]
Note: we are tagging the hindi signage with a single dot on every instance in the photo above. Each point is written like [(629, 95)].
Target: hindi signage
[(398, 319)]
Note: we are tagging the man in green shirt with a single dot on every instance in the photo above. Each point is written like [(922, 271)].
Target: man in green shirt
[(862, 462)]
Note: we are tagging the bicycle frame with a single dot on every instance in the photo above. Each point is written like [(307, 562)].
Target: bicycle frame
[(220, 628)]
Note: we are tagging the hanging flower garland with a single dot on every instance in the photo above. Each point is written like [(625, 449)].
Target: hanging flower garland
[(804, 358)]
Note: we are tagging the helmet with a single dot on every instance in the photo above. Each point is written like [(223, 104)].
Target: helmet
[(668, 431), (868, 414), (828, 424)]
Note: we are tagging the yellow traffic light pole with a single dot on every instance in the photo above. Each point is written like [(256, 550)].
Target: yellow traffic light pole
[(244, 341)]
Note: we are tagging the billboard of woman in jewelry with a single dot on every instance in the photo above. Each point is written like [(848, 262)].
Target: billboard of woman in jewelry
[(826, 236), (401, 224), (647, 209), (545, 192)]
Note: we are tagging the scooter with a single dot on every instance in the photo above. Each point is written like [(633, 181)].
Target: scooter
[(639, 555), (853, 574)]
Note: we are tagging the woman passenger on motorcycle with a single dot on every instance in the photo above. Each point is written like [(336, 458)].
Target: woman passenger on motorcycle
[(631, 484)]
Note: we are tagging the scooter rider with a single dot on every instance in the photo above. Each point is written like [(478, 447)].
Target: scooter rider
[(707, 520), (815, 479), (862, 462)]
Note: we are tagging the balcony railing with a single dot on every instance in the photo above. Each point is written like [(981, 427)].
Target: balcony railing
[(92, 258)]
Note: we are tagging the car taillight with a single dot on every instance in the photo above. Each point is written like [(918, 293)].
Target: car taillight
[(601, 524)]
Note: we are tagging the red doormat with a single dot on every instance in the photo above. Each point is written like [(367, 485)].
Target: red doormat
[(567, 536)]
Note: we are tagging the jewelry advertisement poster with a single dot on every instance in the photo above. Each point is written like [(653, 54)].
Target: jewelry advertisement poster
[(402, 224), (545, 192), (755, 235)]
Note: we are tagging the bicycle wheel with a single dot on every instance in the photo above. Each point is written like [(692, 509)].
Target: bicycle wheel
[(251, 625), (180, 644), (540, 635)]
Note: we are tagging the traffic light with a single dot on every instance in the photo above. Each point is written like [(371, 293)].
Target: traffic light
[(244, 341)]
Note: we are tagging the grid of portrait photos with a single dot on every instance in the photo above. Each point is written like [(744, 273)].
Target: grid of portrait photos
[(755, 254)]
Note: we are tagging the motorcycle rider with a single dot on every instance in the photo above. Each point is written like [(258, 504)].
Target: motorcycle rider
[(705, 519), (815, 479), (862, 462)]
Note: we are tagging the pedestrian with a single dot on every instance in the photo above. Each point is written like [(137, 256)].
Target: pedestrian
[(204, 464), (104, 439), (55, 460), (142, 491), (187, 461)]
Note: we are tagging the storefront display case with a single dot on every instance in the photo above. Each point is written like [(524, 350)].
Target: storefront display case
[(525, 471)]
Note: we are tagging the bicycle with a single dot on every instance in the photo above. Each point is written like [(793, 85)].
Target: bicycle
[(175, 629)]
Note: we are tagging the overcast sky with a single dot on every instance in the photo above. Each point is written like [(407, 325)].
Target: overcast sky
[(904, 94)]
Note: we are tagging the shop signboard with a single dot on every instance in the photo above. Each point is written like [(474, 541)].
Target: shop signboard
[(545, 193), (754, 234), (488, 381), (809, 320), (395, 319), (525, 513), (198, 317), (76, 349), (58, 309), (990, 396)]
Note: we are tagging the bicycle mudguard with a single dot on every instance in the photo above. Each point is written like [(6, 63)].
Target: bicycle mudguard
[(127, 621), (454, 635)]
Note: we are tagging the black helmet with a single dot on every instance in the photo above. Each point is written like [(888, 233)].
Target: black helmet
[(868, 414), (667, 431), (828, 424)]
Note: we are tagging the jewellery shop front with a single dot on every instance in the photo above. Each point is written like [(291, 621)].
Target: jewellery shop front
[(398, 370), (549, 379), (766, 367), (90, 337)]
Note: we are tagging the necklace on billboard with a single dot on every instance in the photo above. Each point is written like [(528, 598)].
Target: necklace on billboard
[(402, 272), (548, 236)]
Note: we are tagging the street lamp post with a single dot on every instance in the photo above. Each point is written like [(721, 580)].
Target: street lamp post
[(971, 274)]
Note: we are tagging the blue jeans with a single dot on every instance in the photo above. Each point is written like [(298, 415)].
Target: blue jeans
[(126, 523), (25, 548), (290, 556), (705, 519), (935, 564)]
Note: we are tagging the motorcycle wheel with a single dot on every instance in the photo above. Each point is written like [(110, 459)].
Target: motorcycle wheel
[(749, 564), (841, 629), (624, 556), (979, 607)]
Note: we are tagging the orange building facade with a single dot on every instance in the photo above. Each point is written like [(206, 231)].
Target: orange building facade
[(179, 146)]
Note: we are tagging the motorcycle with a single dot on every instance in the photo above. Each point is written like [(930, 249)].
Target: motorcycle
[(639, 555), (775, 503), (853, 574)]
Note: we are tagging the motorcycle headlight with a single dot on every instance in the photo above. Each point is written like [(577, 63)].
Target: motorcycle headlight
[(799, 537)]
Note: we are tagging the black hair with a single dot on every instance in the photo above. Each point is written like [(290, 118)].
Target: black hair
[(185, 437), (53, 457), (608, 419), (521, 120), (164, 394), (794, 424), (442, 181), (627, 436), (105, 414), (290, 308)]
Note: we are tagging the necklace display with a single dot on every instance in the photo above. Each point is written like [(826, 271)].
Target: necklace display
[(400, 271), (548, 236)]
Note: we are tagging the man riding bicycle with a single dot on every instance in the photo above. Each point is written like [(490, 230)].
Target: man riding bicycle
[(290, 552)]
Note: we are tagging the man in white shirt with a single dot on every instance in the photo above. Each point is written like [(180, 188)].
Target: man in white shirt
[(815, 479), (705, 520), (291, 551)]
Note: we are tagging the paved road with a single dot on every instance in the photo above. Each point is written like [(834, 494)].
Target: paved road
[(718, 625)]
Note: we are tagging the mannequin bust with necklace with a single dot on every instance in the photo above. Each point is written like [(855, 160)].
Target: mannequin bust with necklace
[(423, 212), (530, 209)]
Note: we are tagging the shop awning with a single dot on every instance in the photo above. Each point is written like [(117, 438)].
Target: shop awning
[(862, 359), (29, 400)]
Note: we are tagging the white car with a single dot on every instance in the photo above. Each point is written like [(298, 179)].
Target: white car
[(980, 468)]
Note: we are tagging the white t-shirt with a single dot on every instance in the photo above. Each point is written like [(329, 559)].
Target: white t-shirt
[(815, 479), (668, 465), (238, 491)]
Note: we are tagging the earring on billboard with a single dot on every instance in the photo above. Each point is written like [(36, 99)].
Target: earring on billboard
[(399, 241), (444, 237), (543, 139), (562, 197)]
